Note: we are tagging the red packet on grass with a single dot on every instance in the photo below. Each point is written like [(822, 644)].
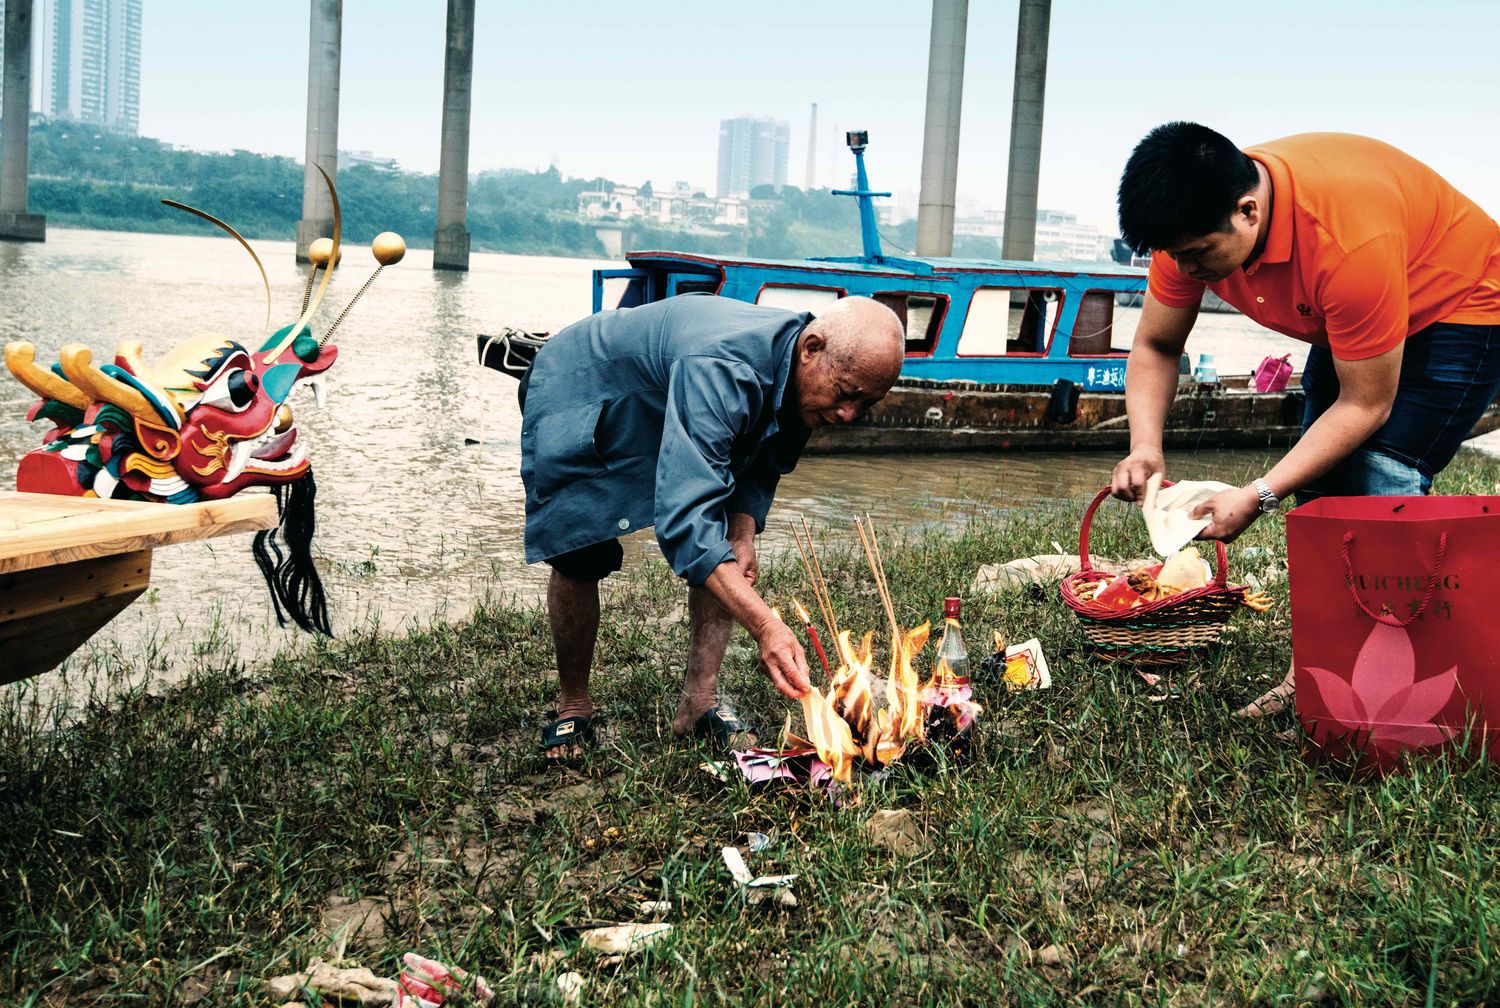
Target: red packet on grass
[(1026, 667)]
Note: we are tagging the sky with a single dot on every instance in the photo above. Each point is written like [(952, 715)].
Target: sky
[(635, 92)]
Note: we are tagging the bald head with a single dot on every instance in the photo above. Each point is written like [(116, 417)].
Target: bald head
[(863, 333), (847, 360)]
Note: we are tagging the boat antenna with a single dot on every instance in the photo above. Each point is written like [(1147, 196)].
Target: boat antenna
[(858, 140)]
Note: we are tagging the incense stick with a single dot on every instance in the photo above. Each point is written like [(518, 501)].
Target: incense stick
[(879, 578), (885, 585), (833, 623), (815, 576)]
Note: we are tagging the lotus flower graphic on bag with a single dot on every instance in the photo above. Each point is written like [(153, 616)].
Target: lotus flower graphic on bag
[(1381, 704), (1395, 639)]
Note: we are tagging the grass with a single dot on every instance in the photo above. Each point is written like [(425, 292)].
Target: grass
[(180, 847)]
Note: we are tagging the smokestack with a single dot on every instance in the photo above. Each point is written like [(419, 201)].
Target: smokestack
[(811, 182)]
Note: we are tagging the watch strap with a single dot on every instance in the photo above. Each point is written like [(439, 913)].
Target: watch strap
[(1268, 501)]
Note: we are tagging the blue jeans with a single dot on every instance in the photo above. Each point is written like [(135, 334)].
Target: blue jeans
[(1449, 374)]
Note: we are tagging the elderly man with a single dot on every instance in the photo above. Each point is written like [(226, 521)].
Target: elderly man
[(683, 414)]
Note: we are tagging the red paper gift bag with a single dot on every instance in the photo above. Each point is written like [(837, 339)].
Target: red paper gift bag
[(1395, 622)]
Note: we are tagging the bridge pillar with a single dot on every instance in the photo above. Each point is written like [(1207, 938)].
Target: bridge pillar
[(945, 95), (324, 47), (15, 121), (1025, 164), (450, 243)]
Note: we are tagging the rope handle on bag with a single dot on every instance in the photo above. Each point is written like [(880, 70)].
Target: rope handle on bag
[(1221, 574), (1385, 618)]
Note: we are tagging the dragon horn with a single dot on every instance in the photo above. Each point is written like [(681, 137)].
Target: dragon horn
[(79, 367), (20, 357), (129, 353)]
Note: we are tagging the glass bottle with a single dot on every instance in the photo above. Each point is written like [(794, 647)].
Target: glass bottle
[(952, 668)]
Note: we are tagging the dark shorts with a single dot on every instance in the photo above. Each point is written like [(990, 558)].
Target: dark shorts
[(590, 563), (1449, 374)]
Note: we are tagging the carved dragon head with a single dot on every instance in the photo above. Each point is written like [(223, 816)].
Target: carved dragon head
[(203, 422)]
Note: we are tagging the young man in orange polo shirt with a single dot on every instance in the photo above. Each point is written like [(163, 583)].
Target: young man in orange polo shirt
[(1339, 241)]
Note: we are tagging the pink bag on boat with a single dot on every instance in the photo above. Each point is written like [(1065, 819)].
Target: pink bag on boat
[(1272, 374)]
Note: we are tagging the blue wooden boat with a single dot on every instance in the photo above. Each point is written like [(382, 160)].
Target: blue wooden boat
[(999, 355)]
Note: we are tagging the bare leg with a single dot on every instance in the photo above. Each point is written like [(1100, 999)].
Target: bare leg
[(573, 610), (1274, 700), (709, 630)]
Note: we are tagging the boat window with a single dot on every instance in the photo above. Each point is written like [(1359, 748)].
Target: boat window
[(1008, 320), (694, 284), (1106, 323), (921, 317), (1127, 317), (794, 297)]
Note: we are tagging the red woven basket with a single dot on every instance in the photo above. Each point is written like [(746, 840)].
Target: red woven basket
[(1164, 632)]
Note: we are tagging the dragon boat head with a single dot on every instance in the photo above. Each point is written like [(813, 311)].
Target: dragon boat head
[(209, 418), (204, 421)]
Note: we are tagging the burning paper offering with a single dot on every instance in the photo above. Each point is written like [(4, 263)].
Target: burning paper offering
[(860, 719)]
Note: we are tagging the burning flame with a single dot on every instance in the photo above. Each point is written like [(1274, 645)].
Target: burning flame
[(802, 612), (856, 720)]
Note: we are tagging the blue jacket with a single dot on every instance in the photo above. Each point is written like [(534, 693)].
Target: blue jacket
[(669, 414)]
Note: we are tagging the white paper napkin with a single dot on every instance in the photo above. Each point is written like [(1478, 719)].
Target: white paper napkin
[(1168, 512)]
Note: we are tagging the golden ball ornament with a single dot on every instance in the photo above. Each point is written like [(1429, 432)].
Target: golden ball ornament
[(388, 248), (319, 252)]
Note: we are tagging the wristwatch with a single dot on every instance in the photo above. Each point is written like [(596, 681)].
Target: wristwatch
[(1268, 500)]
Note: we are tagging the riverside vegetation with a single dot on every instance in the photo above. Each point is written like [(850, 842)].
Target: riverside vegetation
[(89, 178), (378, 794)]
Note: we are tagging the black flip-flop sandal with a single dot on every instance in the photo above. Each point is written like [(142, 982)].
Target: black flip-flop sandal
[(567, 731), (720, 725)]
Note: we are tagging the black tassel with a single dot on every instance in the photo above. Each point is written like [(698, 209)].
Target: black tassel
[(296, 589)]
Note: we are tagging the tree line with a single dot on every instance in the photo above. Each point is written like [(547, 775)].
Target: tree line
[(82, 176)]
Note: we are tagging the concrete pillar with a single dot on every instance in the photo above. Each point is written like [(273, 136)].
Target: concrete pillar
[(1026, 130), (323, 52), (811, 181), (945, 95), (450, 243), (15, 121)]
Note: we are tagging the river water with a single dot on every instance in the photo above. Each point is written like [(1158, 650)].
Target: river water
[(415, 523)]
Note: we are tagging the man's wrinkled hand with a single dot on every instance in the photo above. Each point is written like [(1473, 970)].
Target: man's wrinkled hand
[(783, 659), (1233, 511), (1131, 473)]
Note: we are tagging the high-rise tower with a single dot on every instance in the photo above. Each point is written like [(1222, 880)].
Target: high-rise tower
[(87, 62), (753, 151)]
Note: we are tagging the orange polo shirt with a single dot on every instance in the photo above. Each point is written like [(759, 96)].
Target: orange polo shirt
[(1367, 245)]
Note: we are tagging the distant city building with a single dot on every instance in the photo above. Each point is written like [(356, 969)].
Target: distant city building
[(86, 62), (680, 205), (1060, 236), (983, 224), (752, 152)]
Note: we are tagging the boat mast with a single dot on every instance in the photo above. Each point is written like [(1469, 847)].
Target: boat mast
[(858, 140)]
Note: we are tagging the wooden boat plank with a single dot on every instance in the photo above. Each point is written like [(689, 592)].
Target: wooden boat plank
[(46, 613), (46, 529)]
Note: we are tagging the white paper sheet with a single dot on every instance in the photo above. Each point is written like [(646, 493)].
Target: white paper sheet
[(1168, 512)]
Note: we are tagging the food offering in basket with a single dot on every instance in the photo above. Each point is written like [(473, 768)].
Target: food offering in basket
[(1154, 614), (1149, 582)]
